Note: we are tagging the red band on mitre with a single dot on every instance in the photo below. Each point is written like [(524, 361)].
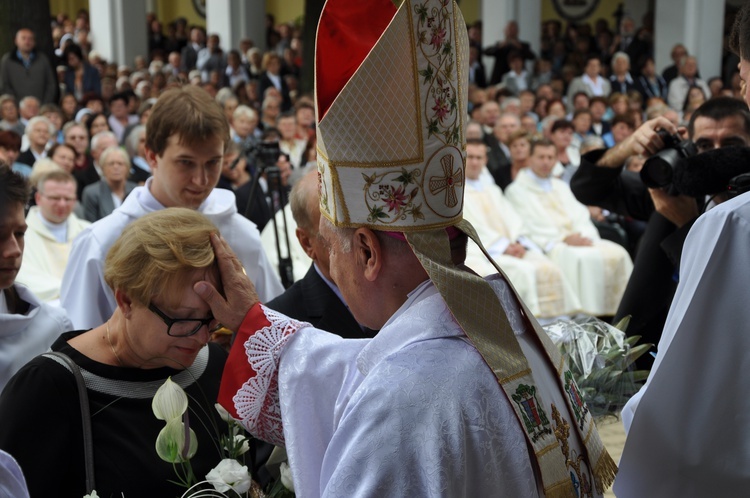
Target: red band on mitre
[(347, 31)]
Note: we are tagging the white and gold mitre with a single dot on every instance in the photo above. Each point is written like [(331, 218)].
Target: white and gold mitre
[(390, 104)]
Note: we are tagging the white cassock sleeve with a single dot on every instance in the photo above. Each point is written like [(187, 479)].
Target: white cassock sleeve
[(689, 426)]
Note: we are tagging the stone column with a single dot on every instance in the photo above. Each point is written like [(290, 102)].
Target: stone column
[(496, 14), (697, 24), (234, 20), (118, 29)]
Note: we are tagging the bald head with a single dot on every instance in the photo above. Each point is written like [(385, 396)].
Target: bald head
[(303, 201), (25, 41)]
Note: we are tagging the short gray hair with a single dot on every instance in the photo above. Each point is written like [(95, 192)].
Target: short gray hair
[(131, 141), (391, 245), (113, 150), (244, 111), (27, 99), (39, 119), (99, 136), (509, 102), (620, 55)]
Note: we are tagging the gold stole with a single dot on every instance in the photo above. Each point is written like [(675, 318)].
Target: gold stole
[(475, 306)]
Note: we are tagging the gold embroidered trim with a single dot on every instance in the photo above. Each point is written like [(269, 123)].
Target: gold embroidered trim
[(547, 449), (511, 378)]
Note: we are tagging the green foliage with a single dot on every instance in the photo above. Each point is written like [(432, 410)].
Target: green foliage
[(601, 359)]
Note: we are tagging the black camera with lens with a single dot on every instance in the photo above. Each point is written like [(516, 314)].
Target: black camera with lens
[(268, 153), (658, 170)]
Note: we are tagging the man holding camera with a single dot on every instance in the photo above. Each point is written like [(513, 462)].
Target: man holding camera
[(687, 426), (601, 181)]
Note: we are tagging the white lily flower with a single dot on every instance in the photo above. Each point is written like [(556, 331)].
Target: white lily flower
[(286, 476), (243, 443), (229, 474), (170, 442), (170, 401), (223, 413), (92, 495)]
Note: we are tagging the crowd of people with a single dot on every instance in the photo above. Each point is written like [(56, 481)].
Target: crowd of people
[(93, 152)]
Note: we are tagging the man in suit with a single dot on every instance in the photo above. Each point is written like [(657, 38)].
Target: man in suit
[(38, 133), (501, 50), (315, 298), (477, 73), (189, 55)]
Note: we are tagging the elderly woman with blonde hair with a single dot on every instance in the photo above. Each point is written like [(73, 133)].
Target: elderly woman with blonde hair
[(159, 330)]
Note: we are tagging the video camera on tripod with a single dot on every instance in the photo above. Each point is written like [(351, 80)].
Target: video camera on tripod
[(264, 157)]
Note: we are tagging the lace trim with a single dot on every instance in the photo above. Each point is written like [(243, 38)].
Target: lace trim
[(257, 401)]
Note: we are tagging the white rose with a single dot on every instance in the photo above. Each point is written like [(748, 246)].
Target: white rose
[(286, 476), (229, 474)]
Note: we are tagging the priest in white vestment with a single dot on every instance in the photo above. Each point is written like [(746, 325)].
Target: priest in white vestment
[(597, 269), (461, 393), (538, 281), (52, 228)]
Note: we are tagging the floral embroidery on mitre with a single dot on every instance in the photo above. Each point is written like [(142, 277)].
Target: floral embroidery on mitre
[(257, 401), (435, 40), (390, 196), (322, 189)]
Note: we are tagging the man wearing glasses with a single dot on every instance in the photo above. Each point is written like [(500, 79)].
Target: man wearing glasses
[(52, 228)]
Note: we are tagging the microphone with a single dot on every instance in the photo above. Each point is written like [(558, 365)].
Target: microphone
[(710, 172)]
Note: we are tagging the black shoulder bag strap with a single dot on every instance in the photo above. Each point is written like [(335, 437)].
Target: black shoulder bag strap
[(83, 398)]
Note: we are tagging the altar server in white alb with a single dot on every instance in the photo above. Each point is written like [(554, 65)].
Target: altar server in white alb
[(185, 141), (538, 281), (27, 326), (460, 394), (597, 269)]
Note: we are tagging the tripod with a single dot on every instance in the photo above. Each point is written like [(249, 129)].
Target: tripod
[(278, 199)]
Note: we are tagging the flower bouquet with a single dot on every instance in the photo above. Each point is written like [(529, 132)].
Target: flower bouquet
[(177, 444), (601, 357)]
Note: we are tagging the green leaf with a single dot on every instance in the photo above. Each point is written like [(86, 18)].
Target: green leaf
[(630, 341), (636, 353), (369, 180), (432, 127), (449, 68), (416, 213), (427, 74), (406, 177), (421, 11), (623, 324)]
